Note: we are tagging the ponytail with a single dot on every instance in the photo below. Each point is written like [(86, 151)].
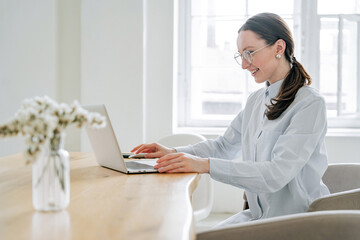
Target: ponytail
[(296, 78)]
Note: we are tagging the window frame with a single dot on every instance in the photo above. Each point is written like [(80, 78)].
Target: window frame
[(306, 22)]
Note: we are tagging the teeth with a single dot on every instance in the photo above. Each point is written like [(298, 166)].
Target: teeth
[(254, 71)]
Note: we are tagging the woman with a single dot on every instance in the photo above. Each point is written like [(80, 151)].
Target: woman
[(280, 133)]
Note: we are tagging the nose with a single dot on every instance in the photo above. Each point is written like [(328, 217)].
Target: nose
[(245, 64)]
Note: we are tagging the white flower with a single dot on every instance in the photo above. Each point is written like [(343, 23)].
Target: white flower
[(41, 119)]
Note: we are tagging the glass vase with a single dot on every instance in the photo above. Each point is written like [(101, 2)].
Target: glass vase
[(51, 177)]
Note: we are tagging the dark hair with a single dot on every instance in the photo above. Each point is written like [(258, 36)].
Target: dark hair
[(271, 28)]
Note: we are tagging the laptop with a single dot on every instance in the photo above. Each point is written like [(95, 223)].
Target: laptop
[(107, 151)]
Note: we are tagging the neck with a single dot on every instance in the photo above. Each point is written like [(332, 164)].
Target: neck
[(283, 71)]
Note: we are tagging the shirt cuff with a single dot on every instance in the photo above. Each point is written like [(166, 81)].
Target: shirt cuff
[(186, 149)]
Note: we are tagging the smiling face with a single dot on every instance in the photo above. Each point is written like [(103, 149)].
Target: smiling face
[(264, 65)]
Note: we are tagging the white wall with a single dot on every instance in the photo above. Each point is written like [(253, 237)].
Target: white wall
[(28, 58), (117, 52), (126, 63), (69, 54), (159, 68), (112, 64), (93, 51)]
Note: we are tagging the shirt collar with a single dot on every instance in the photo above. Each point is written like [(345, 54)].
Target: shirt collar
[(273, 88)]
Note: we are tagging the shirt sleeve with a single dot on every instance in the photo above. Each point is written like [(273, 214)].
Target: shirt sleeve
[(227, 146), (290, 153)]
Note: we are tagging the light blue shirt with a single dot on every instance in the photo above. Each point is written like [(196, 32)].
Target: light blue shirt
[(283, 159)]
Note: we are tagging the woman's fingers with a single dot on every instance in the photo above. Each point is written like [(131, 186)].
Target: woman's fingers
[(175, 162), (169, 156), (156, 150), (142, 148), (171, 167), (165, 163), (136, 148), (154, 155), (182, 162), (146, 148)]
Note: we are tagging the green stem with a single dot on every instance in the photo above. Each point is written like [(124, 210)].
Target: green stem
[(42, 173), (60, 174)]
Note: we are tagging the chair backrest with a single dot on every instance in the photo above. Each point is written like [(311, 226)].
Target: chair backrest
[(342, 177), (329, 225)]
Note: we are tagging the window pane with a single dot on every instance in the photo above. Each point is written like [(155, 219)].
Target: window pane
[(218, 7), (349, 73), (329, 66), (213, 42), (217, 81), (328, 63), (338, 7), (281, 7)]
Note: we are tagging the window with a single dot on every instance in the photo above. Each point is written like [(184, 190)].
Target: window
[(213, 89), (339, 60)]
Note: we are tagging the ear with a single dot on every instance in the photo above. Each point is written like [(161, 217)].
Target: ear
[(280, 46)]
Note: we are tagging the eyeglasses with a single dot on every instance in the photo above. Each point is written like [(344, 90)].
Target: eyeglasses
[(247, 55)]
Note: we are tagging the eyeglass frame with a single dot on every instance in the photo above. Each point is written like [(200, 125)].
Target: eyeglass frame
[(248, 53)]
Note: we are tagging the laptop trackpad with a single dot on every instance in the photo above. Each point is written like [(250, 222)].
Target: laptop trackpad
[(140, 165)]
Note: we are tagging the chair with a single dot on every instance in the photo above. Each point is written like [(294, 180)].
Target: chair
[(343, 224), (343, 181), (340, 177), (325, 219), (203, 195)]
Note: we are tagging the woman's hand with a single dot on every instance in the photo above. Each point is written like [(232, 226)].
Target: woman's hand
[(182, 162), (153, 150)]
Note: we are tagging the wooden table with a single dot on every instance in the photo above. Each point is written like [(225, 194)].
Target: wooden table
[(104, 204)]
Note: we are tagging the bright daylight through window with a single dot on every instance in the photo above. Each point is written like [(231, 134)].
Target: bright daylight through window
[(212, 87)]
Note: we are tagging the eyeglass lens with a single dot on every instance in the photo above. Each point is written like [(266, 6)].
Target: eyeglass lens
[(239, 57)]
